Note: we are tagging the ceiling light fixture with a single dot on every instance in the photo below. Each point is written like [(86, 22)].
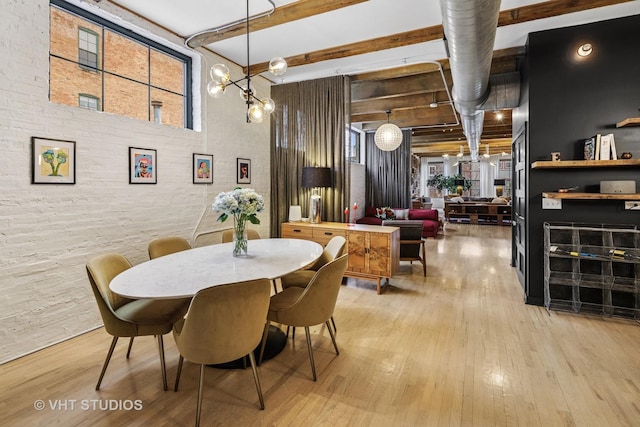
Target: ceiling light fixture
[(221, 78), (388, 137), (499, 115), (486, 154), (434, 103), (585, 49), (445, 155), (461, 153)]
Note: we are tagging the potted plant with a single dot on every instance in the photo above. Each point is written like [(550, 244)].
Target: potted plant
[(441, 182)]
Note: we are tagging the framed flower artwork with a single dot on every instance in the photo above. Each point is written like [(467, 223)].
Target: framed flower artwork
[(143, 166), (202, 168), (53, 161)]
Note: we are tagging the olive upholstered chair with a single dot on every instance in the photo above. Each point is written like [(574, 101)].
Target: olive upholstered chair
[(224, 323), (124, 317), (167, 245), (227, 235), (311, 305)]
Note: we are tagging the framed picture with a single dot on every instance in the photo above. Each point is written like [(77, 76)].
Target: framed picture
[(244, 171), (53, 161), (202, 168), (432, 170), (143, 166), (505, 165)]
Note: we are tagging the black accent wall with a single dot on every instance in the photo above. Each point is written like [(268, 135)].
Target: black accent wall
[(568, 100)]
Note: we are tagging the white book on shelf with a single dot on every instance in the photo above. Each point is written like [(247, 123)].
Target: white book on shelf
[(614, 155), (605, 147), (597, 155)]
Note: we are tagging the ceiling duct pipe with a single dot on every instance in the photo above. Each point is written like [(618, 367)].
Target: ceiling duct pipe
[(470, 31)]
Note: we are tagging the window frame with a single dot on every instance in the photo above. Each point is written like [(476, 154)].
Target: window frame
[(89, 96), (96, 53), (125, 32)]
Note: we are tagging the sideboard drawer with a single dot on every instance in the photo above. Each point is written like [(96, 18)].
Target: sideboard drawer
[(323, 235), (291, 231)]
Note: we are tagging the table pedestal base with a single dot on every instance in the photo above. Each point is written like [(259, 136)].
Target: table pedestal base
[(276, 341)]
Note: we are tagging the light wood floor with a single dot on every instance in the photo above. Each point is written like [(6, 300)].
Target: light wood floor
[(458, 348)]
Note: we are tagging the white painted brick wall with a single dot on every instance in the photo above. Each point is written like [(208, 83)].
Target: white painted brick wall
[(48, 232)]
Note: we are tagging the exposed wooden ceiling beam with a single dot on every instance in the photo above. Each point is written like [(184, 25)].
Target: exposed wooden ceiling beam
[(291, 12)]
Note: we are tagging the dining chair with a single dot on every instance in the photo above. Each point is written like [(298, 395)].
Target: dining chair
[(224, 323), (124, 317), (309, 306), (227, 235), (411, 241), (301, 278), (167, 245)]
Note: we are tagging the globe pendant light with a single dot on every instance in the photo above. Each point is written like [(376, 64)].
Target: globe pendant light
[(388, 137), (221, 78)]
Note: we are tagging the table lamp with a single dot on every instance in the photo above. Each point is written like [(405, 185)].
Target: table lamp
[(459, 183), (499, 184), (314, 178)]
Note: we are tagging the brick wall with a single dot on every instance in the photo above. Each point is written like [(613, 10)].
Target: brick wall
[(48, 232)]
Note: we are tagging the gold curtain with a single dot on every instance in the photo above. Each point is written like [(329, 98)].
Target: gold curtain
[(388, 173), (309, 128)]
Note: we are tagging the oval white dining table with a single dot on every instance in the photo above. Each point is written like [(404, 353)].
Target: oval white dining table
[(182, 274)]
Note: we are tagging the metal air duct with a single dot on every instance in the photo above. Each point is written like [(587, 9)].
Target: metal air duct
[(470, 31)]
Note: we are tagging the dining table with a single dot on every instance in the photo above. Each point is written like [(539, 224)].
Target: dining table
[(182, 274)]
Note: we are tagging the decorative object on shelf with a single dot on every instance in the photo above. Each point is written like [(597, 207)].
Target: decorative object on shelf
[(202, 168), (243, 204), (388, 136), (555, 156), (316, 178), (143, 166), (53, 161), (626, 155), (221, 78), (499, 184), (295, 213)]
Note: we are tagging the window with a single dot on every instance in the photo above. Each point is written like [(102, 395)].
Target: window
[(89, 102), (471, 172), (354, 145), (87, 48), (96, 64)]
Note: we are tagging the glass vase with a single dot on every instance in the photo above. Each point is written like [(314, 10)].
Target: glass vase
[(240, 239)]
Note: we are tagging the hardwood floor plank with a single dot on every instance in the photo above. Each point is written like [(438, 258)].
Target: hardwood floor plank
[(456, 348)]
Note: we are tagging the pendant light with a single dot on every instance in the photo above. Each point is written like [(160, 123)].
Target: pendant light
[(388, 137)]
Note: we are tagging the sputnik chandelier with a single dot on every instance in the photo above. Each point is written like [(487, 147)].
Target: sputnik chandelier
[(221, 79)]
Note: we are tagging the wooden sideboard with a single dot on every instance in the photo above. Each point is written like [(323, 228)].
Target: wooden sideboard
[(478, 213), (374, 251)]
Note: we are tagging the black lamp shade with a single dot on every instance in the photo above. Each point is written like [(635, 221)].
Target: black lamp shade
[(316, 177), (459, 182), (499, 182)]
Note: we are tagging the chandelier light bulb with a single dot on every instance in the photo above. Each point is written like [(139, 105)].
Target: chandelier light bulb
[(247, 92), (216, 90), (256, 113), (220, 73), (268, 105), (277, 66)]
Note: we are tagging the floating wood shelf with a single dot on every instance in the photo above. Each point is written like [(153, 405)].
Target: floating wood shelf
[(564, 164), (591, 196), (631, 121)]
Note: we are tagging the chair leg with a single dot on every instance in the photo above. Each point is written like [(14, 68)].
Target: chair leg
[(106, 361), (130, 345), (252, 359), (162, 364), (263, 344), (424, 262), (313, 364), (333, 322), (333, 338), (200, 387), (180, 362)]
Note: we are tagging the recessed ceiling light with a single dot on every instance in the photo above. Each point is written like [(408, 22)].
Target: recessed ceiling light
[(499, 115), (585, 49)]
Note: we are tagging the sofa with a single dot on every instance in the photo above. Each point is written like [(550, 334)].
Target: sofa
[(429, 218)]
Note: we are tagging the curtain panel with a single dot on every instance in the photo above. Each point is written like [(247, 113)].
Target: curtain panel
[(388, 173), (309, 128)]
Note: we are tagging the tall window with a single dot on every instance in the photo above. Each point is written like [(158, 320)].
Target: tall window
[(471, 172), (354, 145), (99, 65), (87, 48)]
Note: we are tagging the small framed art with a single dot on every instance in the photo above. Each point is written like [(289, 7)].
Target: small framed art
[(143, 166), (53, 161), (244, 171), (202, 168)]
